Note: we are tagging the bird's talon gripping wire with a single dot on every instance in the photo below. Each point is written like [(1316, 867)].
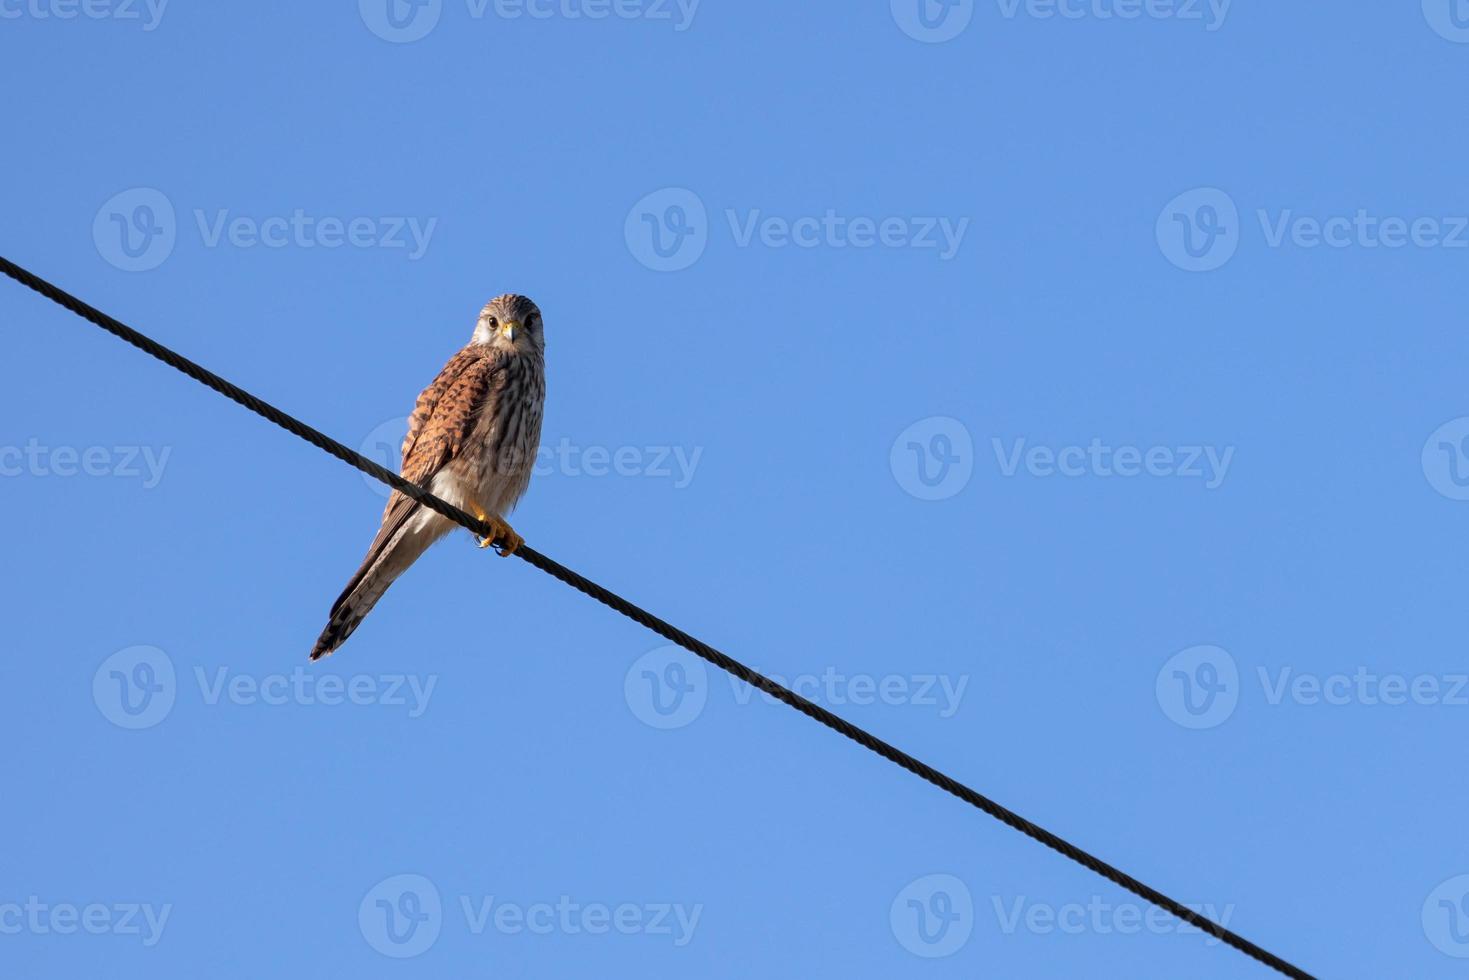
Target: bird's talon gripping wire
[(509, 541)]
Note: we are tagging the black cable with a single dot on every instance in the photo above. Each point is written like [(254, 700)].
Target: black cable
[(647, 619)]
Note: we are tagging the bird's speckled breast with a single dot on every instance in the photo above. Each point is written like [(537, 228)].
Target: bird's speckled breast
[(506, 435)]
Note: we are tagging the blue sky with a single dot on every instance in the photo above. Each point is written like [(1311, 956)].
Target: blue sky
[(1071, 393)]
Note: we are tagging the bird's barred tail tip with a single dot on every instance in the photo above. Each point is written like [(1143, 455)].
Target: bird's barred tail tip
[(325, 644), (334, 636)]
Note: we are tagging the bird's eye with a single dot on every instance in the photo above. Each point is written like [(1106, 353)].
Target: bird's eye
[(492, 322)]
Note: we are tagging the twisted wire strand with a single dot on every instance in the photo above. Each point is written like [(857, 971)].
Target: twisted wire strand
[(646, 619)]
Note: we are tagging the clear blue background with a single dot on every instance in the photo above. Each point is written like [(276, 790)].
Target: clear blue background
[(795, 547)]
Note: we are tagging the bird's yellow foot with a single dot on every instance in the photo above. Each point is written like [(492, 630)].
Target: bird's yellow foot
[(501, 532)]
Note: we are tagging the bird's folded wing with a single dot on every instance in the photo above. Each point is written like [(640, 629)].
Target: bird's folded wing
[(437, 430)]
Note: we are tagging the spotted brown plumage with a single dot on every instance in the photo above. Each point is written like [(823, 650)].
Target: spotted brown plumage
[(472, 440)]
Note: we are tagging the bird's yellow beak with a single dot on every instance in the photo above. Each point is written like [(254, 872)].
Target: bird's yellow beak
[(508, 328)]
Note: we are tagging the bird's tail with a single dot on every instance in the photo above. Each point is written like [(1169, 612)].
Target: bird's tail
[(396, 547)]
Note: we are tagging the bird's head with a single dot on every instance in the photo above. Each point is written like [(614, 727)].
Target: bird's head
[(510, 322)]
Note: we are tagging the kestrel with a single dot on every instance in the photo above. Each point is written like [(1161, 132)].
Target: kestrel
[(472, 441)]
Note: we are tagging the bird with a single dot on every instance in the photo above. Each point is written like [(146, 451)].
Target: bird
[(472, 442)]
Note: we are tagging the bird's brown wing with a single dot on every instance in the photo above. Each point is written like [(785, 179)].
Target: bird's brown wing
[(437, 429), (429, 399)]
